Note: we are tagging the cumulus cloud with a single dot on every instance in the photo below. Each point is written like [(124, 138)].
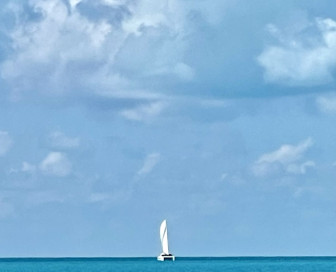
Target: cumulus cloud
[(74, 3), (286, 153), (300, 168), (143, 112), (6, 142), (28, 168), (287, 158), (48, 45), (150, 162), (68, 49), (56, 164), (301, 61), (25, 168), (114, 2), (58, 139)]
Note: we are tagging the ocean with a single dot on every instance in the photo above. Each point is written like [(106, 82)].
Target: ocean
[(206, 264)]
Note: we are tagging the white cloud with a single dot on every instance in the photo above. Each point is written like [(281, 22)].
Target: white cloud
[(144, 112), (98, 197), (57, 46), (114, 2), (74, 3), (184, 71), (6, 142), (70, 51), (286, 158), (27, 167), (298, 61), (108, 197), (58, 139), (327, 104), (286, 153), (150, 162), (56, 164), (300, 168), (146, 15), (265, 169)]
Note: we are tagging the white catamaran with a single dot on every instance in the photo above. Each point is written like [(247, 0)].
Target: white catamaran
[(165, 255)]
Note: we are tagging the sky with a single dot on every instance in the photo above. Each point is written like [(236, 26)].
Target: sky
[(217, 115)]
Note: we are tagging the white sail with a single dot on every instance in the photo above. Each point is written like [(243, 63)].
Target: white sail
[(164, 237)]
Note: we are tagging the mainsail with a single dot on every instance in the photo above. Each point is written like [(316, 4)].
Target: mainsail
[(164, 237)]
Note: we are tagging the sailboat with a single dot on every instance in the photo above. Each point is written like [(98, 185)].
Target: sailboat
[(165, 255)]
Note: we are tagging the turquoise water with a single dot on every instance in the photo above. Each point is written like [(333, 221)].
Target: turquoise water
[(255, 264)]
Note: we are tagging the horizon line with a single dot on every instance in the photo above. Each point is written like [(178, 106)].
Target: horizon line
[(149, 257)]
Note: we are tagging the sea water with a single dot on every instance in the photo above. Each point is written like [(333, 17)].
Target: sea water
[(235, 264)]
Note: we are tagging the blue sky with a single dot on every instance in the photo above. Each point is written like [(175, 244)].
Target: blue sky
[(216, 115)]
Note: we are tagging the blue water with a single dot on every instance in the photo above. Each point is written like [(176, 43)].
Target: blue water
[(242, 264)]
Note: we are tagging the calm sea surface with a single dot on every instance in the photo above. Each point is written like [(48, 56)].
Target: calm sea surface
[(255, 264)]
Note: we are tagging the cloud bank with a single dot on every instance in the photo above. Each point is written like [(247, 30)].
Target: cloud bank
[(110, 55)]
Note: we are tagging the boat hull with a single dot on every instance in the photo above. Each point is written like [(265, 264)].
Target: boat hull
[(166, 258)]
